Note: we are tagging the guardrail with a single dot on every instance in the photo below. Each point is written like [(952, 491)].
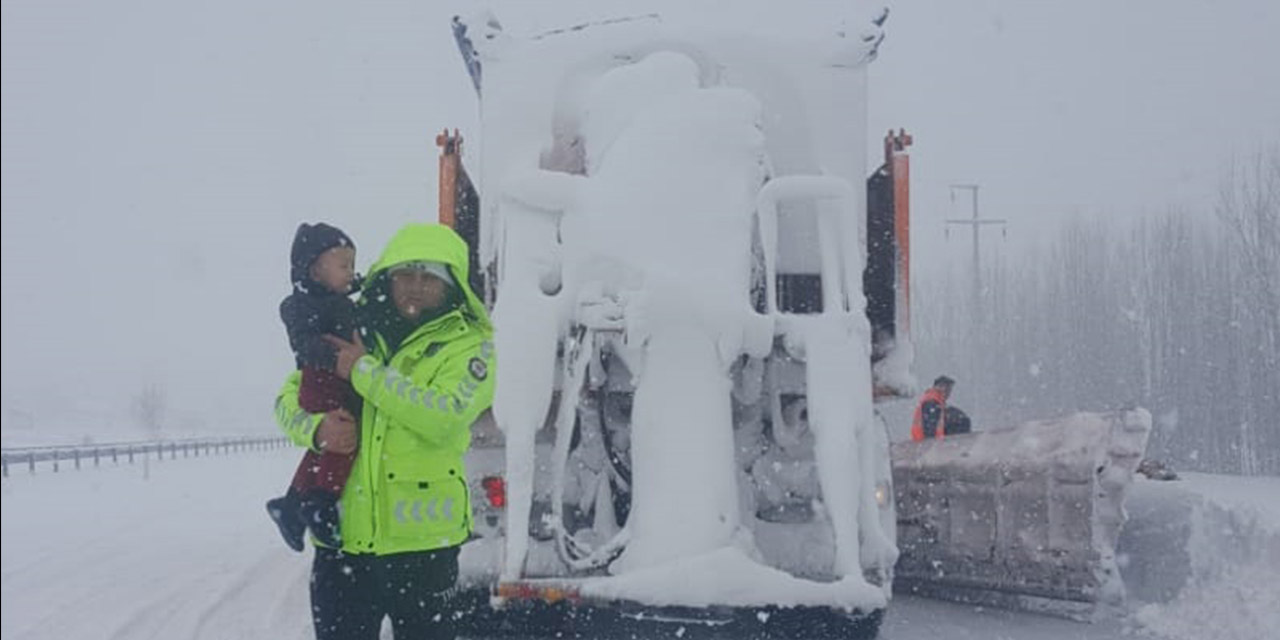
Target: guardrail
[(79, 455)]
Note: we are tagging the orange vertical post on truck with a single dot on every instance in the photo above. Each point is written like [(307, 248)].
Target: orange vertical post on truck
[(899, 161), (450, 166)]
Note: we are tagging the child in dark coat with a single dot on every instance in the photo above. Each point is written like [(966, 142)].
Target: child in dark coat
[(323, 273)]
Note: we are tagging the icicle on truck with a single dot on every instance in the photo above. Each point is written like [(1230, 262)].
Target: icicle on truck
[(698, 297)]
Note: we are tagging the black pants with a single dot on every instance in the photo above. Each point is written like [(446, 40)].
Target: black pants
[(352, 593)]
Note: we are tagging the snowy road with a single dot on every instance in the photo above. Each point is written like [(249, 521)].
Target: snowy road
[(183, 549), (178, 549)]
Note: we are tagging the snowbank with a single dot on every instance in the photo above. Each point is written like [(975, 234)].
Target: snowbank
[(1200, 557)]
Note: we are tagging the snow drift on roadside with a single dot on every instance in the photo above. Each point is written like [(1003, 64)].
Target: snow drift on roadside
[(1202, 556)]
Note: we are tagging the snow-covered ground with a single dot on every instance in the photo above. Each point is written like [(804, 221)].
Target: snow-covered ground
[(183, 549), (173, 549), (1200, 556)]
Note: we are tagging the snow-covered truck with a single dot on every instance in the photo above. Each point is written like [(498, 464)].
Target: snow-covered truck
[(699, 296)]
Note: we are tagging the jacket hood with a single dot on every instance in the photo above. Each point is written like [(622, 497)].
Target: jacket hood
[(419, 242)]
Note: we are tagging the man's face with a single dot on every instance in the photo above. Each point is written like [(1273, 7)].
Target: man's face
[(335, 269), (414, 291), (946, 391)]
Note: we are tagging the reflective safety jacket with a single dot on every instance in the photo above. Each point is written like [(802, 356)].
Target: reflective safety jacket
[(408, 487), (930, 416)]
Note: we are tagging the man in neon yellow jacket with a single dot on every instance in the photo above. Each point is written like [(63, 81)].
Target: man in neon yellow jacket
[(426, 375)]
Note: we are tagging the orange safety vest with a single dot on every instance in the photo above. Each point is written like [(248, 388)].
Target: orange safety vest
[(917, 423)]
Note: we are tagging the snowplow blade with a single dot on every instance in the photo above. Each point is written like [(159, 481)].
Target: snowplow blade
[(1025, 518)]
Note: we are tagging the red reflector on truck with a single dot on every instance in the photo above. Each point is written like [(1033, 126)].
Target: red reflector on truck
[(495, 490)]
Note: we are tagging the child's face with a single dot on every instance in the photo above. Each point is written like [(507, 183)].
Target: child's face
[(335, 269)]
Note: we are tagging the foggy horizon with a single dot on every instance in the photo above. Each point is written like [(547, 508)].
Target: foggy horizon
[(157, 158)]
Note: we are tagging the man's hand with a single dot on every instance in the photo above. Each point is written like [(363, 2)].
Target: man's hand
[(337, 432), (347, 352)]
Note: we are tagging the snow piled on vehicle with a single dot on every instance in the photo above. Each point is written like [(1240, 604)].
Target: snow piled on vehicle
[(727, 576), (620, 171)]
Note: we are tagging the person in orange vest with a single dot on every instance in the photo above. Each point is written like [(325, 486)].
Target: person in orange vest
[(933, 418)]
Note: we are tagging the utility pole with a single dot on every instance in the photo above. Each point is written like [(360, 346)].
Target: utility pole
[(975, 223)]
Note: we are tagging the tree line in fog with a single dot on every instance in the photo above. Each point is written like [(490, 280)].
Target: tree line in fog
[(1178, 313)]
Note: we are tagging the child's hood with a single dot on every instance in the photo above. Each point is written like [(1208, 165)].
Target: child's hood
[(309, 242)]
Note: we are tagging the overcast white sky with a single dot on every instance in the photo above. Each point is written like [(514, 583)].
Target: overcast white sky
[(157, 155)]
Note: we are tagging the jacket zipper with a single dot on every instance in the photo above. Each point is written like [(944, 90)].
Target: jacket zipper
[(370, 475)]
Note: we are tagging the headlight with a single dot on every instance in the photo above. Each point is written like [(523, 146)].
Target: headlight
[(882, 494)]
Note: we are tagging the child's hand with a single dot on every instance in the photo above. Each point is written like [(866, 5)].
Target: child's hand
[(347, 352), (337, 432)]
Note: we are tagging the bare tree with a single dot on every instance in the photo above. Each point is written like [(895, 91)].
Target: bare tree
[(1179, 313), (1249, 209), (149, 408)]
